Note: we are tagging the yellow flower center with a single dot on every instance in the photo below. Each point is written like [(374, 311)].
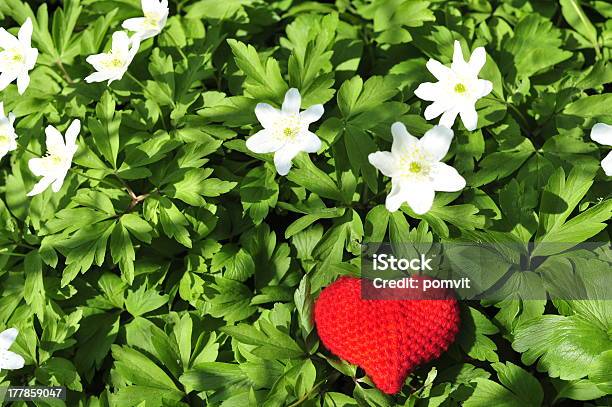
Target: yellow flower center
[(13, 58), (415, 164), (56, 160), (4, 139), (116, 63), (152, 20), (290, 132), (460, 88), (415, 167)]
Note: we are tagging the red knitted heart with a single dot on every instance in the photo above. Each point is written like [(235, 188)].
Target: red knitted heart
[(387, 338)]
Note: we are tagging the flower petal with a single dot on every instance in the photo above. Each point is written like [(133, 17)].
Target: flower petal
[(602, 133), (25, 32), (152, 6), (37, 166), (402, 140), (441, 72), (7, 40), (134, 24), (6, 78), (484, 88), (282, 159), (11, 361), (292, 102), (308, 142), (459, 65), (58, 183), (72, 133), (97, 77), (120, 43), (312, 114), (383, 161), (435, 109), (448, 118), (55, 141), (436, 142), (31, 58), (477, 61), (41, 186), (263, 142), (420, 198), (469, 117), (397, 196), (23, 80), (606, 164), (445, 178), (429, 91), (267, 115), (97, 61), (7, 338), (134, 45)]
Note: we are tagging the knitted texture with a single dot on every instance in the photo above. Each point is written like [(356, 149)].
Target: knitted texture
[(386, 338)]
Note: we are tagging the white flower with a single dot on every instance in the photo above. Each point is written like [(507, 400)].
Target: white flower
[(17, 57), (415, 168), (112, 65), (285, 132), (155, 17), (602, 134), (9, 360), (8, 138), (55, 165), (457, 90)]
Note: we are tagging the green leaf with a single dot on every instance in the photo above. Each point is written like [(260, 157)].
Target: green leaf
[(59, 372), (34, 287), (359, 145), (312, 178), (215, 375), (391, 15), (521, 389), (149, 381), (264, 80), (560, 197), (565, 347), (269, 342), (259, 192), (142, 301), (307, 220), (376, 224), (575, 16), (105, 128), (122, 252), (576, 230), (473, 338), (600, 372), (193, 185), (310, 40), (535, 47), (174, 222)]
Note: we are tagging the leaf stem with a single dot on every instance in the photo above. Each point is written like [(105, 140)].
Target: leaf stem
[(2, 253), (59, 63), (100, 180), (132, 77), (27, 149), (178, 47), (523, 123)]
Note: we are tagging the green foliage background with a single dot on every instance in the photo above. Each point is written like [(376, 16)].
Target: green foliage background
[(176, 268)]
